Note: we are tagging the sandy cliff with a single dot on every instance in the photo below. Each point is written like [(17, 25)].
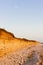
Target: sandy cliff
[(9, 43), (19, 51)]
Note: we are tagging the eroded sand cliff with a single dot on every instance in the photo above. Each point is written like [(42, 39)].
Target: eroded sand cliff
[(18, 51)]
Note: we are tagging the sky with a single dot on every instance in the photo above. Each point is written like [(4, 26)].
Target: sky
[(24, 18)]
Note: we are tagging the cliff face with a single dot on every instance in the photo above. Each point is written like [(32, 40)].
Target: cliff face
[(9, 43), (5, 34), (19, 51)]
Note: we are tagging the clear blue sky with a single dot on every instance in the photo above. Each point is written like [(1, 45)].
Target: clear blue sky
[(23, 17)]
